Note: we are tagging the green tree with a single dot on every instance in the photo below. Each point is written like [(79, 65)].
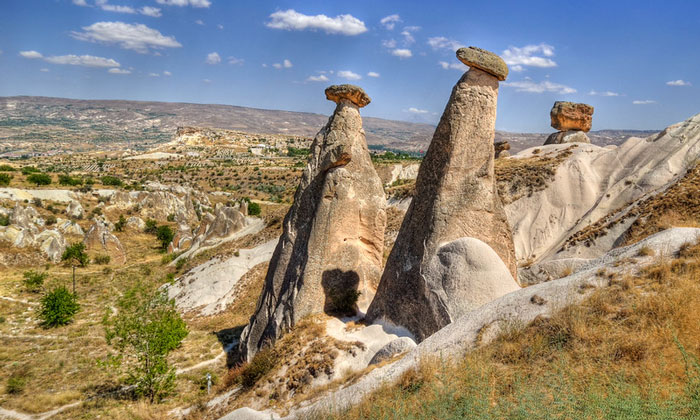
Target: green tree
[(145, 330), (151, 226), (58, 307), (69, 180), (5, 179), (39, 179), (165, 235), (111, 180), (75, 255)]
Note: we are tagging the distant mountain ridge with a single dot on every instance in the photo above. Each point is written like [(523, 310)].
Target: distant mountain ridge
[(43, 122)]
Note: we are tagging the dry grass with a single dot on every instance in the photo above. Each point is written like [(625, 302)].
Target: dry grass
[(618, 350), (522, 177)]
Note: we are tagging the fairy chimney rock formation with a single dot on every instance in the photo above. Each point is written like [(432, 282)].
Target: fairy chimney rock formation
[(573, 121), (333, 238), (455, 217)]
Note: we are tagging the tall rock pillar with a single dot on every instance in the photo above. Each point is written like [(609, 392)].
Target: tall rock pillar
[(333, 238), (443, 262)]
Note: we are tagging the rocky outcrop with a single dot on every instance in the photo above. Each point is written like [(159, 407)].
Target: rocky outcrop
[(74, 210), (571, 136), (157, 205), (393, 348), (136, 223), (99, 238), (26, 218), (573, 122), (333, 234), (52, 243), (455, 198), (571, 116), (69, 227)]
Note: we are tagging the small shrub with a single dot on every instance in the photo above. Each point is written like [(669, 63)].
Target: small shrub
[(119, 226), (6, 168), (171, 217), (262, 363), (5, 179), (34, 280), (167, 258), (39, 179), (645, 251), (29, 170), (4, 220), (254, 209), (15, 384), (58, 307), (69, 180), (112, 181), (102, 259), (181, 263), (50, 220), (151, 226)]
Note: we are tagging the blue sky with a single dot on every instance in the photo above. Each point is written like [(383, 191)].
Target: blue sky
[(636, 62)]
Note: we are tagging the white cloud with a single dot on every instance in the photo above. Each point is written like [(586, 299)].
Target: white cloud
[(206, 80), (235, 61), (285, 64), (541, 87), (644, 102), (407, 34), (136, 37), (119, 71), (199, 22), (31, 54), (154, 74), (319, 78), (80, 3), (402, 53), (389, 22), (213, 58), (181, 3), (44, 70), (389, 43), (679, 82), (442, 43), (73, 60), (82, 60), (373, 74), (529, 55), (167, 73), (414, 110), (102, 4), (452, 66), (606, 93), (347, 74), (150, 11), (291, 20), (220, 26)]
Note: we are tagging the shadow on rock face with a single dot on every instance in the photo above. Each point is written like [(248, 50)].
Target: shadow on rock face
[(340, 291), (229, 338)]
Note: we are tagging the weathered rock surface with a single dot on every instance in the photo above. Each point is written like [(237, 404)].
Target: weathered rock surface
[(571, 136), (393, 348), (99, 238), (136, 223), (484, 60), (69, 227), (74, 210), (333, 234), (156, 205), (455, 197), (52, 244), (571, 116)]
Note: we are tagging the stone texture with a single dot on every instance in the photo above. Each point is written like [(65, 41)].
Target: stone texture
[(392, 348), (571, 116), (484, 60), (98, 238), (74, 210), (572, 136), (52, 244), (455, 197), (136, 223), (333, 235), (352, 93)]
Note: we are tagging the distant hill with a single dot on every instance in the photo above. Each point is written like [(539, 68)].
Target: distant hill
[(41, 124)]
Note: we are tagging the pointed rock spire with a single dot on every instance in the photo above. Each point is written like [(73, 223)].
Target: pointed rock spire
[(333, 238), (443, 262)]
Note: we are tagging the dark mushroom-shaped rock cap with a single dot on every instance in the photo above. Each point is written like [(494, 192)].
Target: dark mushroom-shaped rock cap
[(484, 60), (354, 94)]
